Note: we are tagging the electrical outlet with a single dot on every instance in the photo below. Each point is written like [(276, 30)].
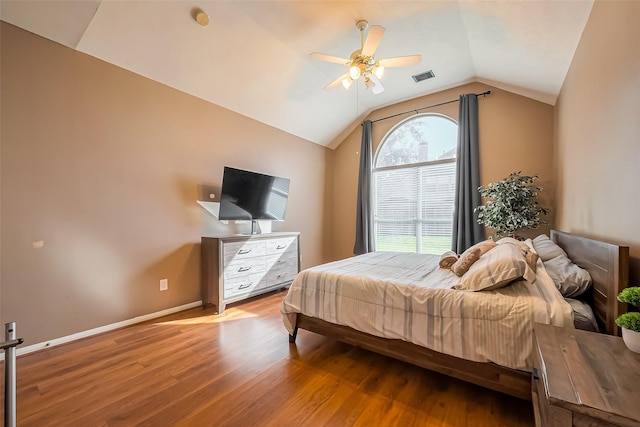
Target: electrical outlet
[(164, 284)]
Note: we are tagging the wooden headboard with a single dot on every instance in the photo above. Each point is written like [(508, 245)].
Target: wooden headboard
[(608, 265)]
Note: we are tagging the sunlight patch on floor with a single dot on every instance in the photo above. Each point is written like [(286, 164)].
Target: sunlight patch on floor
[(228, 315)]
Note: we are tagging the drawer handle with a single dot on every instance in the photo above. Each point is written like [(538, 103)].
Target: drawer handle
[(241, 269), (281, 247), (535, 374), (244, 251), (245, 286)]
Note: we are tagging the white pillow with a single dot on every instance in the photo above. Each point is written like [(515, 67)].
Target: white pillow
[(547, 248), (570, 279), (583, 317)]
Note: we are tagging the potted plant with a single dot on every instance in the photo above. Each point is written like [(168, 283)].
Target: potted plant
[(512, 205), (630, 322)]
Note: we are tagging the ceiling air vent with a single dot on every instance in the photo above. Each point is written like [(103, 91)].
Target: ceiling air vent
[(423, 76)]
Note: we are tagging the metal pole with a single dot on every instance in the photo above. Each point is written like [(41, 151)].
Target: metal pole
[(10, 375)]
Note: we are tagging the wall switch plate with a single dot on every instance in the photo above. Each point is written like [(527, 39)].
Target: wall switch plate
[(164, 284)]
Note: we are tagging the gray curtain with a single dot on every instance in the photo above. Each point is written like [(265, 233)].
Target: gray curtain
[(466, 230), (364, 214)]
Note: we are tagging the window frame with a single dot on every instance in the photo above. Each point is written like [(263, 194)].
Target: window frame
[(418, 221)]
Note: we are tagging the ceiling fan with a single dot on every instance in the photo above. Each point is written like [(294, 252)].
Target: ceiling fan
[(362, 62)]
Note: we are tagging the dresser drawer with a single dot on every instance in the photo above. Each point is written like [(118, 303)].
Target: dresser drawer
[(538, 394), (282, 276), (282, 245), (244, 267), (243, 285), (242, 250), (287, 258), (284, 270)]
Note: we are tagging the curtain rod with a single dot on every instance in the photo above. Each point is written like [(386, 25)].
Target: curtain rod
[(429, 106)]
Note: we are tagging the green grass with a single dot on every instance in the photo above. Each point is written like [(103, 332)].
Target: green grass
[(436, 245)]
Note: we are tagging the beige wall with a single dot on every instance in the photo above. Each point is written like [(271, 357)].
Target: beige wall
[(105, 167), (598, 131), (516, 133)]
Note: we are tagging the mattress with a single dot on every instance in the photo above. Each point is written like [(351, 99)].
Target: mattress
[(407, 296)]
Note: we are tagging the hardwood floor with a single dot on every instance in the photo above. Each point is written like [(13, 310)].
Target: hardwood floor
[(238, 369)]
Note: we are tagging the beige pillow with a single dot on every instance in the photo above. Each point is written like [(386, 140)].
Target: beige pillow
[(484, 246), (497, 268), (465, 261), (532, 259), (519, 243), (529, 254)]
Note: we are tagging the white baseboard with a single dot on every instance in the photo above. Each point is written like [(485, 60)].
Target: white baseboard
[(101, 329)]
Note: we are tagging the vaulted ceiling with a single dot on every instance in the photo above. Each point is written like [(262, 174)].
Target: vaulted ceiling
[(253, 56)]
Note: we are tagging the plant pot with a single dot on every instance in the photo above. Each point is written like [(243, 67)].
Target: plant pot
[(631, 339)]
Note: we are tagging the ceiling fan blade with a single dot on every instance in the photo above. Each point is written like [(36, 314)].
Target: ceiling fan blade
[(377, 87), (328, 58), (401, 61), (374, 36), (335, 83)]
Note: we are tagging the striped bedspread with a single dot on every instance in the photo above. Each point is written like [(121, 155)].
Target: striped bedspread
[(407, 296)]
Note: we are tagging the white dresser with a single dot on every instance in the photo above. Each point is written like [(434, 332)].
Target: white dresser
[(238, 267)]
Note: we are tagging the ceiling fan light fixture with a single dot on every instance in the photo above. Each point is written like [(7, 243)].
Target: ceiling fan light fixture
[(354, 72), (346, 82), (368, 83), (378, 71)]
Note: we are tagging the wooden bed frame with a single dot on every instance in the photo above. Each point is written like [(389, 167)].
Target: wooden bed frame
[(608, 265)]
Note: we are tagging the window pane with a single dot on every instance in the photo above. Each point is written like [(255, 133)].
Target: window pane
[(397, 237), (437, 208), (397, 194), (414, 204), (396, 209), (420, 139)]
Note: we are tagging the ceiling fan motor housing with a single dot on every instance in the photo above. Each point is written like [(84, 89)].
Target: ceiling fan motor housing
[(364, 63)]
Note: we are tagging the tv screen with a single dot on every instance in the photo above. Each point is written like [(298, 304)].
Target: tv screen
[(249, 195)]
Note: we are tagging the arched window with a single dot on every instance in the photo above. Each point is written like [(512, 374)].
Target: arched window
[(414, 179)]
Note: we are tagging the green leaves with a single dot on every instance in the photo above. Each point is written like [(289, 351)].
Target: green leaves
[(630, 295), (629, 321), (512, 205)]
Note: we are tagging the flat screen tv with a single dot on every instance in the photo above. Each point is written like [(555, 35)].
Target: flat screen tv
[(252, 196)]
